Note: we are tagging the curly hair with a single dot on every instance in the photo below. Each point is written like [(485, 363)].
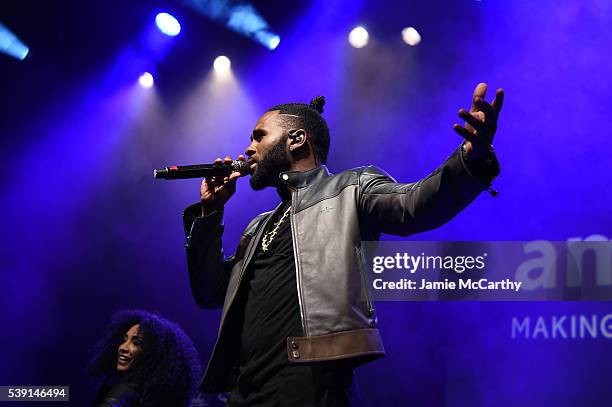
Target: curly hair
[(309, 117), (168, 369)]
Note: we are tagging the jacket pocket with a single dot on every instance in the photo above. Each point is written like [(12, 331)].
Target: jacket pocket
[(365, 291)]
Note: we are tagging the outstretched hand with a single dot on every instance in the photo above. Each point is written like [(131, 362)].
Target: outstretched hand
[(480, 122)]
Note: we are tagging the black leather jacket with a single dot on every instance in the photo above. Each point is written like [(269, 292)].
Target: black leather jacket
[(331, 215)]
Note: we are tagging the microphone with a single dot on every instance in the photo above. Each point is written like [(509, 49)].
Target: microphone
[(202, 170)]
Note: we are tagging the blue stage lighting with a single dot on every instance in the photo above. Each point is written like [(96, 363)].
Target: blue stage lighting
[(267, 38), (274, 41), (167, 24), (11, 45), (242, 18), (245, 19)]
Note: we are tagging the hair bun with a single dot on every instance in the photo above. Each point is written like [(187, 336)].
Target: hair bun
[(318, 103)]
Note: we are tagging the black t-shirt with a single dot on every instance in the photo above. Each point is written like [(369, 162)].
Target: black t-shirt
[(271, 313), (271, 309)]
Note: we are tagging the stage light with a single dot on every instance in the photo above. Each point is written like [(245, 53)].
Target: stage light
[(267, 38), (358, 37), (238, 16), (11, 45), (167, 24), (222, 64), (146, 80), (245, 19), (411, 36), (273, 41)]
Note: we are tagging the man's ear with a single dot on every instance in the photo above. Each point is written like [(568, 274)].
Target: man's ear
[(297, 138)]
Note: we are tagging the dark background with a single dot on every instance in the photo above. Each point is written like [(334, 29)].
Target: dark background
[(87, 231)]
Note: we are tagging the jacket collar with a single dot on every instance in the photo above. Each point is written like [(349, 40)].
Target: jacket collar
[(301, 179)]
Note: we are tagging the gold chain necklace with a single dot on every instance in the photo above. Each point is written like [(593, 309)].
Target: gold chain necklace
[(270, 235)]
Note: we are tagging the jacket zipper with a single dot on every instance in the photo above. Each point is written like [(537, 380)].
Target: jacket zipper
[(364, 283), (297, 263)]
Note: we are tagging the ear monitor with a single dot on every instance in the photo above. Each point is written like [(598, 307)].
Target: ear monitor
[(297, 138)]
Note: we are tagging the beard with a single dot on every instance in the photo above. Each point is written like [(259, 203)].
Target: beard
[(270, 166)]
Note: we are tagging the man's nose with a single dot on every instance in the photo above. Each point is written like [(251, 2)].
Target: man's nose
[(250, 150)]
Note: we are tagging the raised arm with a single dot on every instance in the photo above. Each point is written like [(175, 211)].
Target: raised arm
[(209, 271), (405, 209)]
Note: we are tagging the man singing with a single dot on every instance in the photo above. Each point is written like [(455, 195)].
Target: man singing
[(297, 318)]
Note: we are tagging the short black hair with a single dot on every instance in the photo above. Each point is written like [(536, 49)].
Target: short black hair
[(308, 117)]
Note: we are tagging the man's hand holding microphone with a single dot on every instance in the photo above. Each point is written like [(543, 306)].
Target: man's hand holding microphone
[(217, 190)]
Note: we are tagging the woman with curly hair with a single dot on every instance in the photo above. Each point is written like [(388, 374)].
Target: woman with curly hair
[(145, 360)]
